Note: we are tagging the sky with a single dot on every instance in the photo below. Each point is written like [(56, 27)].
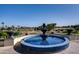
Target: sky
[(36, 14)]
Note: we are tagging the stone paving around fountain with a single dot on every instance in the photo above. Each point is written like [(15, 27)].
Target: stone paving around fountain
[(72, 49)]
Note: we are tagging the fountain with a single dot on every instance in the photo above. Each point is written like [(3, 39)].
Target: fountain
[(44, 29), (44, 43)]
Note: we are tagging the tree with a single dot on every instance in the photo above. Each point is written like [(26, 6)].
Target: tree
[(69, 31), (9, 28), (51, 26), (6, 26), (12, 27), (2, 26)]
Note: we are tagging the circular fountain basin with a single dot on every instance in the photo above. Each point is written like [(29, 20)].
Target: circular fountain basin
[(52, 43)]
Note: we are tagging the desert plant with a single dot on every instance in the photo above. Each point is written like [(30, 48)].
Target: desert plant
[(3, 35), (10, 33), (69, 31), (51, 26), (16, 33)]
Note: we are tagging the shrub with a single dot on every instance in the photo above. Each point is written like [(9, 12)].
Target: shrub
[(26, 33), (3, 35), (69, 31), (16, 33), (10, 33), (64, 31), (52, 32)]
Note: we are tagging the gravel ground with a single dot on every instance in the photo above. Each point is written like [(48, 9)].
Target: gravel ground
[(72, 49)]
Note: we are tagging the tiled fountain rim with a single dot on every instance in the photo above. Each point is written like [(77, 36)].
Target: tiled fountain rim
[(43, 46)]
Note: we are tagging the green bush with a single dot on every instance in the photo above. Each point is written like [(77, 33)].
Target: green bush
[(69, 31), (10, 33), (3, 35), (65, 31), (76, 32), (16, 33)]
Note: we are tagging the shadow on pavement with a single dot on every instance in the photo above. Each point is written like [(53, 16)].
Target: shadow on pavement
[(18, 48)]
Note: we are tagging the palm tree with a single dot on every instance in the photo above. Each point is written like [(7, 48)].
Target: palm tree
[(12, 27), (2, 26)]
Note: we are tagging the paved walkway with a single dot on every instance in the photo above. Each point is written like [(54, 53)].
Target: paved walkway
[(7, 50), (72, 49)]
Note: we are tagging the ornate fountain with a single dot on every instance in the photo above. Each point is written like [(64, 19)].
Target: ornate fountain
[(42, 42)]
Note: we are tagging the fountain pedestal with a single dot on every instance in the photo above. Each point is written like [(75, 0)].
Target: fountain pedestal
[(44, 29)]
